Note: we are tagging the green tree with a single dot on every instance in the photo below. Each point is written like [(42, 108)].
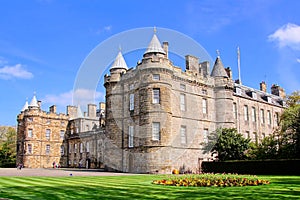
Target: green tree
[(267, 149), (230, 145), (7, 147), (290, 127), (285, 141)]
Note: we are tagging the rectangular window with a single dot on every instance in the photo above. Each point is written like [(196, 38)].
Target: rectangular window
[(48, 149), (246, 115), (235, 110), (255, 137), (269, 117), (183, 134), (62, 134), (156, 77), (269, 99), (262, 116), (204, 106), (263, 135), (238, 91), (75, 148), (253, 114), (72, 131), (254, 95), (62, 150), (131, 102), (130, 136), (182, 87), (156, 96), (276, 119), (48, 132), (81, 147), (30, 133), (156, 131), (182, 102), (248, 134), (131, 86), (205, 136), (29, 148), (48, 121), (70, 148), (87, 147)]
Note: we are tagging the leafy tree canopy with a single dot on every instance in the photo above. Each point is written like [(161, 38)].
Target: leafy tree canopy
[(230, 145)]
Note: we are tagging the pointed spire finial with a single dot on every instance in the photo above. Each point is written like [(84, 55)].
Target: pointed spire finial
[(218, 53), (120, 48), (154, 29)]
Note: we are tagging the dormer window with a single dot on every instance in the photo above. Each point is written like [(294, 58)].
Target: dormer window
[(254, 95), (238, 91), (269, 99)]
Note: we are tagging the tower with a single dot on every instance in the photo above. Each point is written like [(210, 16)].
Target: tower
[(223, 95), (40, 136)]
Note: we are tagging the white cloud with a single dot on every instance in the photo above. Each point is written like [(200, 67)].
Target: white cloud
[(298, 60), (107, 28), (287, 36), (16, 71), (62, 99), (81, 96), (104, 29)]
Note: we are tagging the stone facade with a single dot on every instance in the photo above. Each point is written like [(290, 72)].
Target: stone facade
[(184, 106), (157, 117), (40, 137)]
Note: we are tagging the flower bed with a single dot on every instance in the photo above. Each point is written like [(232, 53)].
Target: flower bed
[(212, 180)]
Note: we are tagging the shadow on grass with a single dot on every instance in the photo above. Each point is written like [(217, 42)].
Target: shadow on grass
[(140, 187)]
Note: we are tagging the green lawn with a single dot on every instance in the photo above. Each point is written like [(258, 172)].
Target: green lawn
[(139, 187)]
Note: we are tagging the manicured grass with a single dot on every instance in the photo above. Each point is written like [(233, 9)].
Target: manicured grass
[(139, 187)]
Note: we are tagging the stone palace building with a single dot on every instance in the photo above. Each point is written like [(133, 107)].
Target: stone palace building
[(156, 117)]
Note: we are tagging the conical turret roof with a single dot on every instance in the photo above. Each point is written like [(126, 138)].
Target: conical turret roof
[(119, 62), (219, 70), (25, 107), (33, 102), (155, 46)]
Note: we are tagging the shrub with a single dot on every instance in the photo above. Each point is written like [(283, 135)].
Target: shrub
[(212, 180)]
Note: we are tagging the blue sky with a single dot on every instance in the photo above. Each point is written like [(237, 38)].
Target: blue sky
[(44, 42)]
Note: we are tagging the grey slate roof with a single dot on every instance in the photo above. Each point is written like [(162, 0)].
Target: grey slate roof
[(219, 70), (119, 62), (33, 102), (155, 46)]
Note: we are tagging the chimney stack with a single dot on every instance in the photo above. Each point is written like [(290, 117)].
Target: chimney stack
[(204, 66), (92, 110), (39, 103), (72, 111), (229, 72), (166, 48), (278, 91), (52, 109), (263, 86)]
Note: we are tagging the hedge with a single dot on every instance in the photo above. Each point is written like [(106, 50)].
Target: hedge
[(264, 167)]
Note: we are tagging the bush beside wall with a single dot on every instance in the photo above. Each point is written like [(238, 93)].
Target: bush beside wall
[(266, 167)]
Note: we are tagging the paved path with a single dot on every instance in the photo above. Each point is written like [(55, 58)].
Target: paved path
[(56, 172)]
